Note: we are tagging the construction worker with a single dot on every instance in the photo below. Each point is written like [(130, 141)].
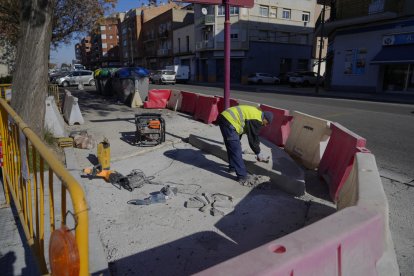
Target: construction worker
[(236, 121)]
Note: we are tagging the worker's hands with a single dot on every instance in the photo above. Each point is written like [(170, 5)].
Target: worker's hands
[(262, 158)]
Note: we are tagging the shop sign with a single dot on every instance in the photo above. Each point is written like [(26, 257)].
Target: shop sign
[(398, 39)]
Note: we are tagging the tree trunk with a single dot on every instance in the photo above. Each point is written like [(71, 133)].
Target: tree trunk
[(30, 79)]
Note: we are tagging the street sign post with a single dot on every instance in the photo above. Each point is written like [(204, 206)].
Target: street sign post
[(227, 52)]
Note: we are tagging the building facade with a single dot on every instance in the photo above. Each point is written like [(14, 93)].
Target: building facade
[(131, 41), (272, 37), (371, 47), (184, 47)]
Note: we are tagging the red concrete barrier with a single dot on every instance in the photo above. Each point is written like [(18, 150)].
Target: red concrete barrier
[(337, 161), (220, 104), (159, 94), (157, 98), (189, 101), (156, 103), (278, 131), (206, 109)]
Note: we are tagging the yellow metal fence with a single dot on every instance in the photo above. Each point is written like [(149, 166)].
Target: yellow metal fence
[(32, 175)]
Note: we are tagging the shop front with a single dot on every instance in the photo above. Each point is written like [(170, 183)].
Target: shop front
[(396, 59)]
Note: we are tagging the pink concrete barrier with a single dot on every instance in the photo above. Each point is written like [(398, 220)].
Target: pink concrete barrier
[(278, 131), (157, 98), (337, 161), (206, 109), (159, 94), (156, 103), (188, 102), (220, 104), (345, 243)]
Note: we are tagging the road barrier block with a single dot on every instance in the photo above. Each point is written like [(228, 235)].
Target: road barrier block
[(188, 103), (220, 104), (65, 101), (136, 100), (364, 188), (308, 139), (206, 109), (53, 120), (72, 113), (174, 102), (278, 131), (157, 98), (337, 161)]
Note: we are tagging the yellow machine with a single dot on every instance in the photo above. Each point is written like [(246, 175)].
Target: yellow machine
[(104, 160), (104, 154)]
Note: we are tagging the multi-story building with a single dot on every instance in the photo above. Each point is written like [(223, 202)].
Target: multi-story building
[(158, 38), (184, 46), (272, 37), (131, 41), (83, 51), (104, 43), (371, 45)]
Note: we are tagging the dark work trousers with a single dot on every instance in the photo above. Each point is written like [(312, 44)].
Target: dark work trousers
[(233, 146)]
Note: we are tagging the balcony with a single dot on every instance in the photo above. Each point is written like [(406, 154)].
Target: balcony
[(162, 52), (204, 45), (377, 6), (209, 19)]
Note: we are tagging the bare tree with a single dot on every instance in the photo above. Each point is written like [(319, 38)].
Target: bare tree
[(33, 26)]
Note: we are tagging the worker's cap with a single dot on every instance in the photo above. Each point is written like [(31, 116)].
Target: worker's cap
[(268, 116)]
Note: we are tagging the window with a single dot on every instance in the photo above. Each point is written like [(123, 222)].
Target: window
[(179, 45), (104, 45), (234, 36), (103, 36), (305, 16), (221, 10), (264, 11), (262, 35), (111, 37), (103, 28), (188, 43), (286, 13), (124, 43), (273, 12), (303, 64), (109, 28)]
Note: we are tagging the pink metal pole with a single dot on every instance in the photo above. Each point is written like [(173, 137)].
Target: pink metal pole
[(227, 54)]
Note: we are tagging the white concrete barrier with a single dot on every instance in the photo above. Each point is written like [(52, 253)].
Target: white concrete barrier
[(174, 102), (65, 101), (308, 138), (136, 100), (72, 113), (53, 120)]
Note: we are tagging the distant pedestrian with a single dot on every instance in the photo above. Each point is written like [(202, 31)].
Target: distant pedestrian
[(236, 121)]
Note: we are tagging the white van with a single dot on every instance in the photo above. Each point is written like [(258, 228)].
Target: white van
[(182, 72)]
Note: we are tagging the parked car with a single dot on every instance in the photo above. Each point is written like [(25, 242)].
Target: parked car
[(284, 77), (84, 77), (260, 78), (164, 77), (305, 78)]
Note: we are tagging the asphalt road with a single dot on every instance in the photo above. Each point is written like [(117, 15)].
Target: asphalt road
[(389, 130)]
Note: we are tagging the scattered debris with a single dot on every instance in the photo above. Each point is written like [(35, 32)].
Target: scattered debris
[(65, 142), (166, 192), (252, 181), (210, 202), (83, 140)]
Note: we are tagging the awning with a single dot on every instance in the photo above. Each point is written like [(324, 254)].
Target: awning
[(401, 54)]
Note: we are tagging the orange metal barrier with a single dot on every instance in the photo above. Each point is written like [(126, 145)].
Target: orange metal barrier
[(26, 160)]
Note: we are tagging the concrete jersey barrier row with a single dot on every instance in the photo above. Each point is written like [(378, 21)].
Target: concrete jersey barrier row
[(356, 240)]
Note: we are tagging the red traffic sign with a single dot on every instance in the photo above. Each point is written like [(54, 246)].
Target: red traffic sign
[(238, 3)]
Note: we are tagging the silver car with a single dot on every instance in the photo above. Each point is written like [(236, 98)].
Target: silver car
[(163, 77), (260, 78), (84, 77)]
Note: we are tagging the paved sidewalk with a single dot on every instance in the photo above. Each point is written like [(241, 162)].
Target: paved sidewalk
[(168, 238)]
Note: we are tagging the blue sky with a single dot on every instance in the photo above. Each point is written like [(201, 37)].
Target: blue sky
[(65, 53)]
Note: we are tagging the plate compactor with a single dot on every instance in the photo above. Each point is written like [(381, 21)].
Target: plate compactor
[(150, 129)]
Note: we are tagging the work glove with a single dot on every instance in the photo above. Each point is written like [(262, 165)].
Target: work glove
[(262, 158)]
